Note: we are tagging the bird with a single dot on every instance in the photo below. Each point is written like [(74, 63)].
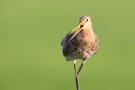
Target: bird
[(80, 43)]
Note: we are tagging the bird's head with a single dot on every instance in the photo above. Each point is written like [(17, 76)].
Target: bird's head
[(84, 23)]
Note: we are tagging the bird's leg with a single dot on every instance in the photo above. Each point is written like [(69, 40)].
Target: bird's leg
[(83, 61), (76, 76)]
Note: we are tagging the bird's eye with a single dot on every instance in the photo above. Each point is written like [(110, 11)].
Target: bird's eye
[(87, 19)]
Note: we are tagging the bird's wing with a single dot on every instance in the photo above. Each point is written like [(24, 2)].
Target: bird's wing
[(96, 44), (96, 39), (66, 40), (65, 43)]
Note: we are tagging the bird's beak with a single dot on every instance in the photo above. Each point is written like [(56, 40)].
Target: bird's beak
[(77, 29)]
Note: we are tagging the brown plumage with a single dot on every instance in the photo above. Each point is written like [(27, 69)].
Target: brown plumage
[(83, 45), (80, 43)]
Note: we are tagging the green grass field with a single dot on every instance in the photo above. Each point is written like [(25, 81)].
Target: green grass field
[(30, 53)]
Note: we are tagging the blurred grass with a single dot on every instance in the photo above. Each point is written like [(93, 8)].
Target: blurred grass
[(30, 51)]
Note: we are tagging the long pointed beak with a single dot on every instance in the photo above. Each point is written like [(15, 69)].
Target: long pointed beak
[(77, 29)]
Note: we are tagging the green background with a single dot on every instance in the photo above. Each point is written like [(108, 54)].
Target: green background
[(30, 53)]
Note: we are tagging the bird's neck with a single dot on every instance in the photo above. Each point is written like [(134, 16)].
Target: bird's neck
[(87, 34)]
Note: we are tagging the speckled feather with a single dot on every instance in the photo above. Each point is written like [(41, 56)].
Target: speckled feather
[(82, 46)]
